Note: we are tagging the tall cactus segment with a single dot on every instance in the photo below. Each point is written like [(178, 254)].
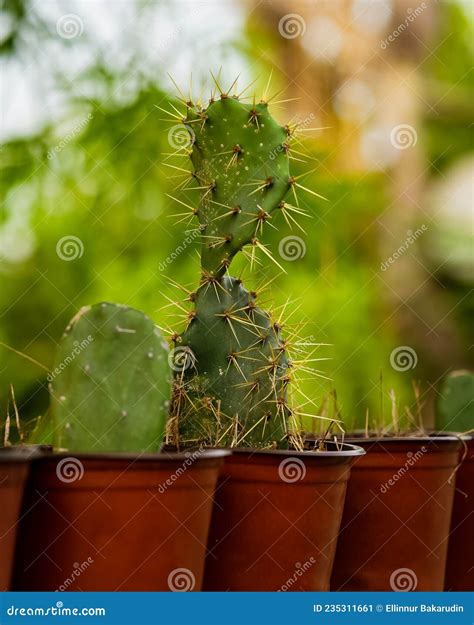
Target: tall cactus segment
[(239, 154), (232, 369), (111, 386)]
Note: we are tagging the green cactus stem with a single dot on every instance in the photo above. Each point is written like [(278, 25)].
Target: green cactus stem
[(232, 371), (455, 402), (239, 155), (111, 384)]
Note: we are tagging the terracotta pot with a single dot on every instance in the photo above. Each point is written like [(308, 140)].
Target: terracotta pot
[(397, 515), (14, 467), (460, 566), (117, 522), (276, 518)]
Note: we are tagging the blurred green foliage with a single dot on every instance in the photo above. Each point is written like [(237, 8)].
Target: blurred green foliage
[(108, 187)]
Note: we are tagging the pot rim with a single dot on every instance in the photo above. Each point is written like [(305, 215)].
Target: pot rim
[(349, 450), (358, 436), (23, 453), (208, 454)]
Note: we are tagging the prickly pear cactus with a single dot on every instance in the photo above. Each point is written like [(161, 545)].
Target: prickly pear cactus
[(231, 364), (455, 403), (111, 386)]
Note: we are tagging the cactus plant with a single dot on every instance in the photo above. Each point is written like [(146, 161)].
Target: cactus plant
[(455, 402), (232, 369), (110, 387)]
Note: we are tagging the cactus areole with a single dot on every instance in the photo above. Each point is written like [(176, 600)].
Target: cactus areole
[(231, 365)]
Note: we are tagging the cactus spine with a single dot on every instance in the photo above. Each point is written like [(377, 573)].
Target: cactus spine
[(111, 384)]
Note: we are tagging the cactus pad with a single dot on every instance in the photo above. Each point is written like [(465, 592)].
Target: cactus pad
[(111, 387), (239, 154), (231, 388), (455, 403)]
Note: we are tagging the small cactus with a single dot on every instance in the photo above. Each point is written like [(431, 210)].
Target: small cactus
[(232, 368), (110, 387), (455, 402)]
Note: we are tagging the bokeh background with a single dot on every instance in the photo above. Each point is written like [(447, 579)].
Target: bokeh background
[(382, 277)]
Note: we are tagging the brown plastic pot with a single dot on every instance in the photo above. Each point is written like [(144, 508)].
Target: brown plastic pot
[(117, 522), (460, 565), (14, 467), (276, 518), (397, 515)]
